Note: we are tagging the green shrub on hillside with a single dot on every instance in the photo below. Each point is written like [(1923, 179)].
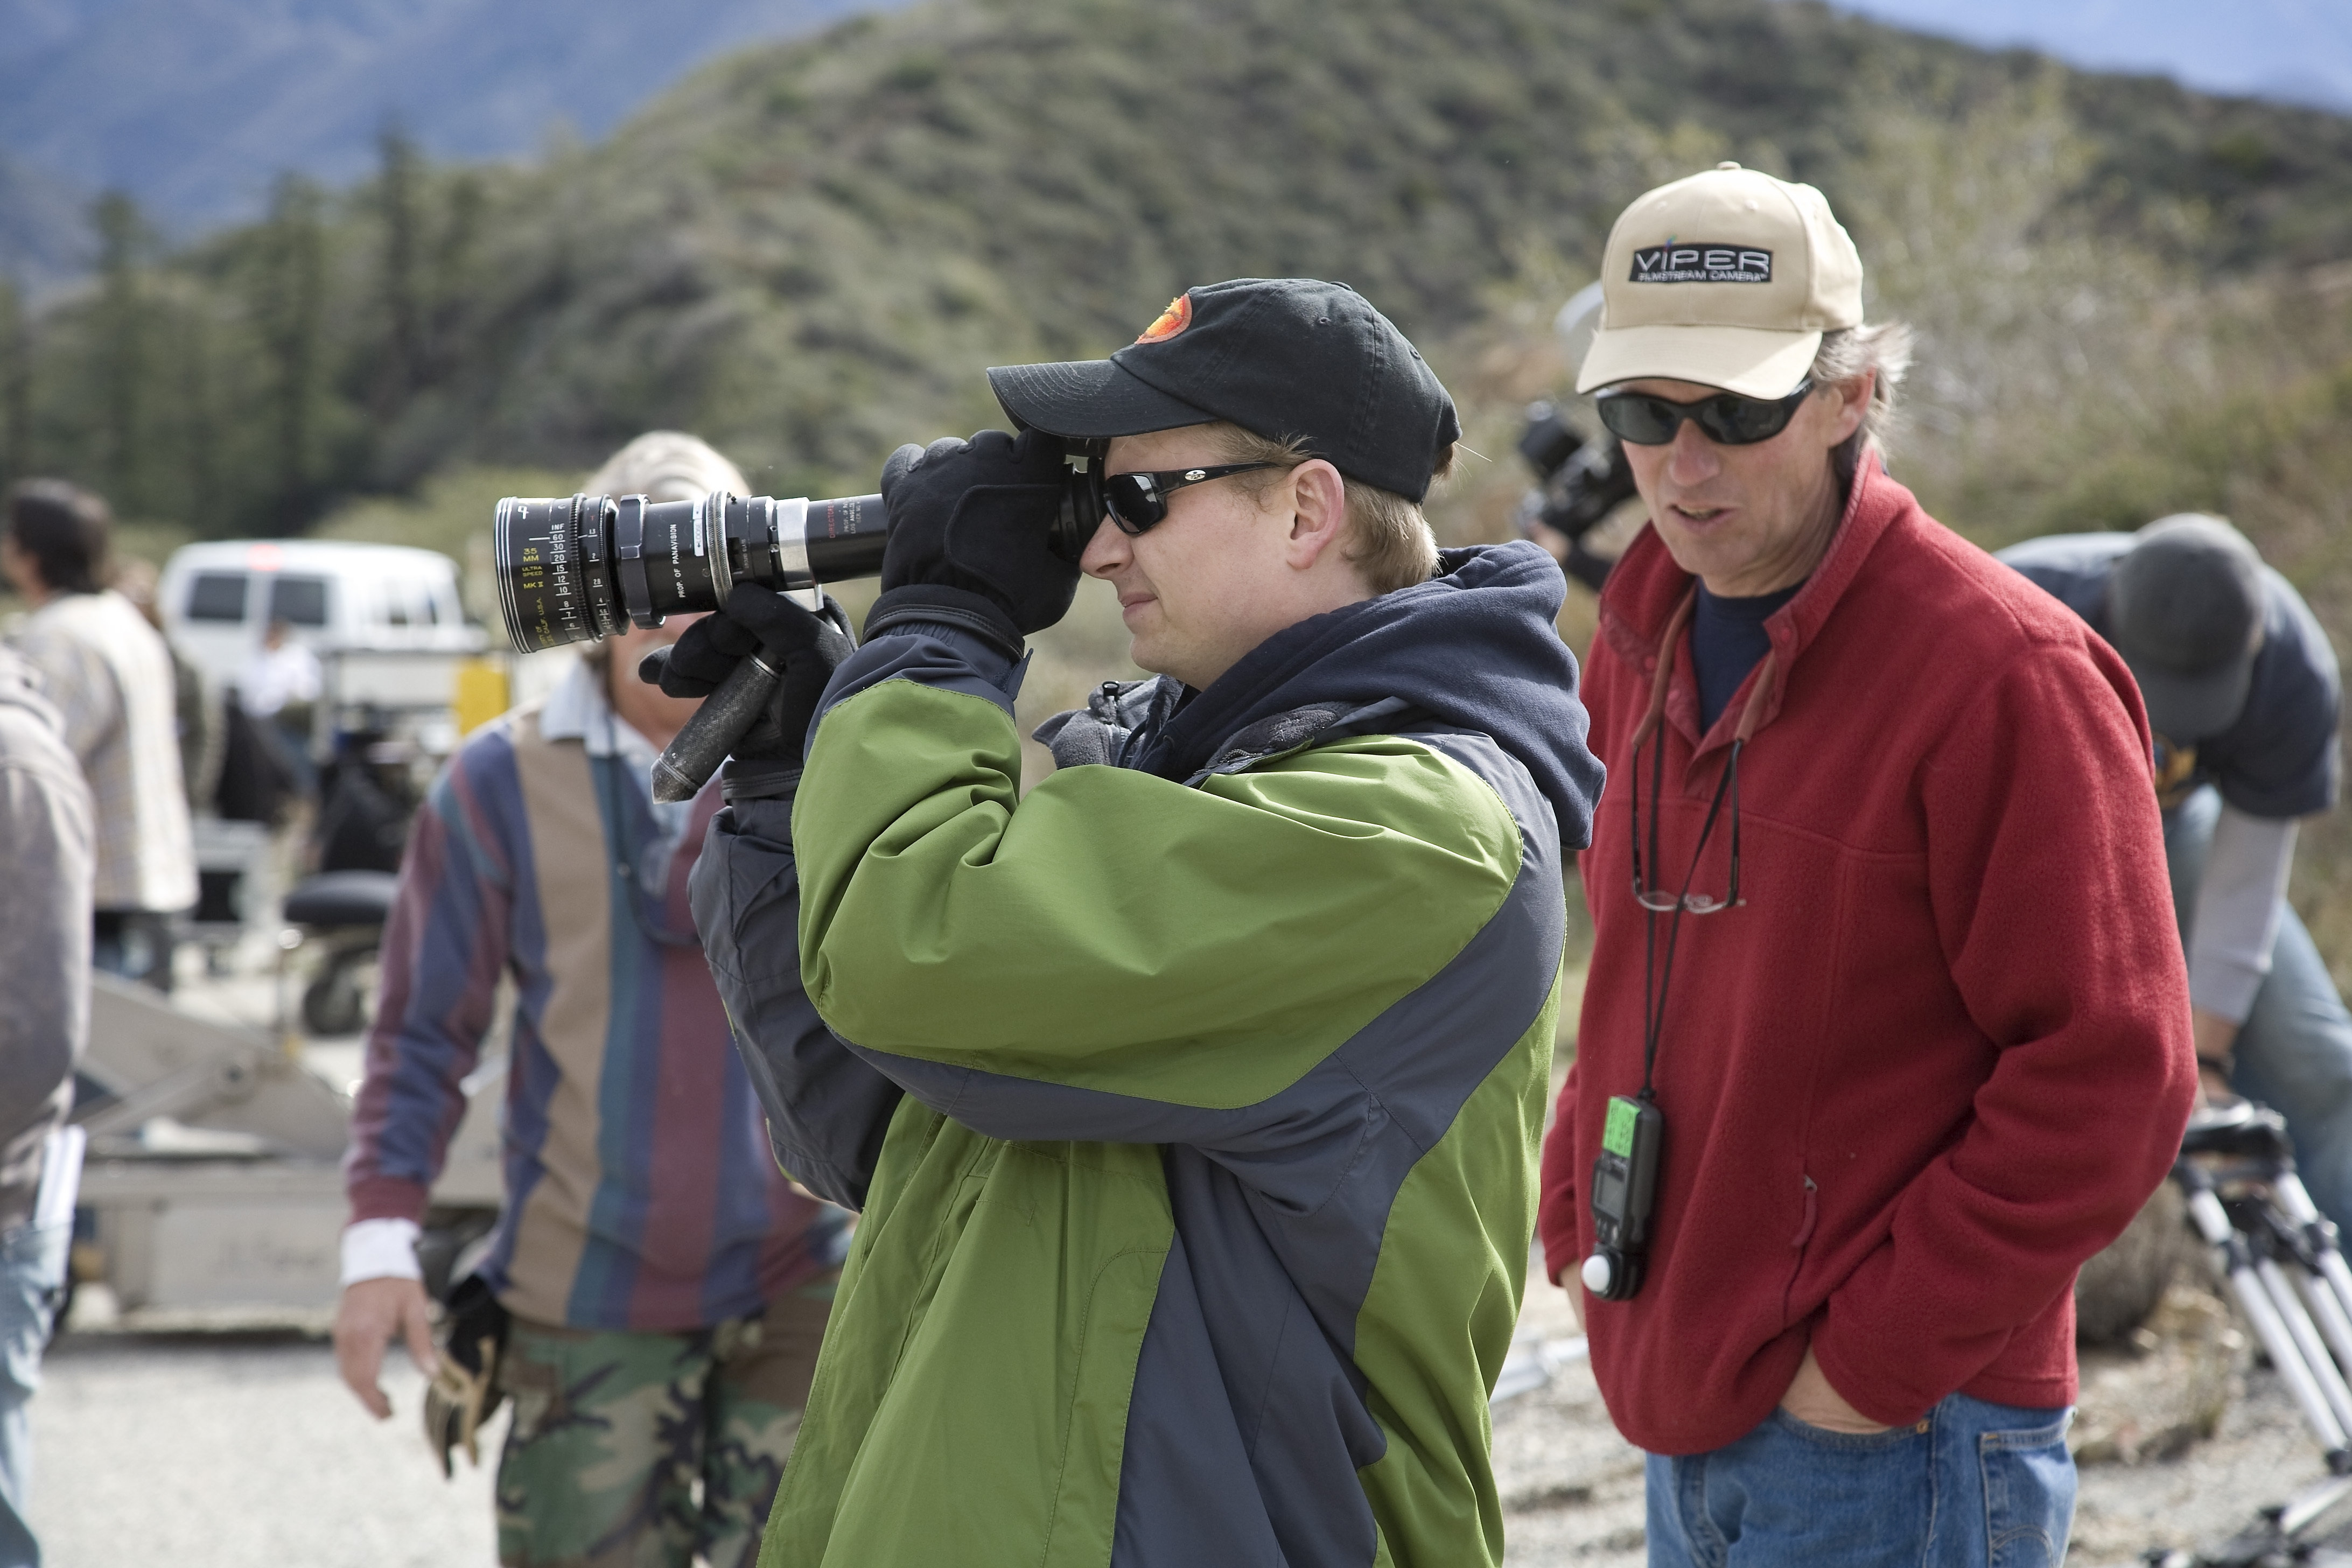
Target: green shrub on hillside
[(807, 253), (2131, 300)]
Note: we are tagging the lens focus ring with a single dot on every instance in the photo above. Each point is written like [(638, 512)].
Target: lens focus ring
[(535, 541)]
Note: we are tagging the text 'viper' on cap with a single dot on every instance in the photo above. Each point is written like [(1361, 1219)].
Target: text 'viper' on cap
[(1281, 357), (1727, 278), (2184, 609)]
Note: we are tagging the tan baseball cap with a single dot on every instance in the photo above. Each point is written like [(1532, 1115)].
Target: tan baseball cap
[(1727, 278)]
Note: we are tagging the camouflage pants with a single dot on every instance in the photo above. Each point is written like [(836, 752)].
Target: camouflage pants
[(649, 1450)]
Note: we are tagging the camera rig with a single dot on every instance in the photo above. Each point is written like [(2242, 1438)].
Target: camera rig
[(1578, 482)]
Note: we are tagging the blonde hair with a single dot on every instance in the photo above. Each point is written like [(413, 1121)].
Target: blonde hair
[(1388, 539)]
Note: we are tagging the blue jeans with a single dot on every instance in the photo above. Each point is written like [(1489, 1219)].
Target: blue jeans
[(32, 1282), (2294, 1053), (1973, 1486)]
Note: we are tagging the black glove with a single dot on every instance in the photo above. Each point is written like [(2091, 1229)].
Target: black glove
[(970, 525), (804, 645), (467, 1388)]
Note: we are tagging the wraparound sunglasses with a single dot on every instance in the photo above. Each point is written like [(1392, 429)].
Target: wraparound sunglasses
[(1138, 501), (1726, 418)]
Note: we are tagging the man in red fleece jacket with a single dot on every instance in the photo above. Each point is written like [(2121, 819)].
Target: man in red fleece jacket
[(1884, 969)]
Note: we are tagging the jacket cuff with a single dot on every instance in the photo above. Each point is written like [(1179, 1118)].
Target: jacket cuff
[(958, 607), (389, 1197), (759, 778), (767, 817)]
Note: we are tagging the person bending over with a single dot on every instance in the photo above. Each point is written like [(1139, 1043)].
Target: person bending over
[(2243, 692)]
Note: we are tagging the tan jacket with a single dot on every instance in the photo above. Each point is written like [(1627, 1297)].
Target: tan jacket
[(110, 677)]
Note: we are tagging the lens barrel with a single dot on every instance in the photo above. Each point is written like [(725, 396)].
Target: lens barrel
[(535, 550), (575, 568)]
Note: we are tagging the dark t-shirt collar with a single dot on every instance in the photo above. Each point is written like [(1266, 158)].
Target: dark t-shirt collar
[(1728, 640)]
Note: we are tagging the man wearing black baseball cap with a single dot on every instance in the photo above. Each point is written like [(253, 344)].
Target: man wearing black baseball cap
[(1192, 1099), (2243, 695)]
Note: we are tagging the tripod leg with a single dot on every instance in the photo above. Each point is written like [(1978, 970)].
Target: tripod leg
[(2299, 1326), (2332, 1268), (2212, 1222), (2327, 1310), (2296, 1203), (2285, 1354)]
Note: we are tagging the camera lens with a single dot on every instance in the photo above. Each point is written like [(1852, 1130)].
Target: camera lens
[(576, 568), (552, 588), (670, 556)]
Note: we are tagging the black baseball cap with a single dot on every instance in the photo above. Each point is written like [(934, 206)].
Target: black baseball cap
[(2184, 609), (1281, 357)]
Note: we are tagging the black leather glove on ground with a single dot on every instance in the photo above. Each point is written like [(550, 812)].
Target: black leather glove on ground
[(971, 523), (804, 645)]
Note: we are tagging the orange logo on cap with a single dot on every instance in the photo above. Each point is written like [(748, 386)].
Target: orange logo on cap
[(1172, 320)]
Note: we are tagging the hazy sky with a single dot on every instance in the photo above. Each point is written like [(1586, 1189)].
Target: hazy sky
[(2298, 50)]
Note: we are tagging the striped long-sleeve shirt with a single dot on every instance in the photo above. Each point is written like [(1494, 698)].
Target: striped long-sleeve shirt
[(641, 1191)]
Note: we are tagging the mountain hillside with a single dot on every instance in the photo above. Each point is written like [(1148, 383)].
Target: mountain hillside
[(809, 251), (194, 106), (2130, 298)]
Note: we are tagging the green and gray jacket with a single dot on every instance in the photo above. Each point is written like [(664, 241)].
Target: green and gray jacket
[(1192, 1102)]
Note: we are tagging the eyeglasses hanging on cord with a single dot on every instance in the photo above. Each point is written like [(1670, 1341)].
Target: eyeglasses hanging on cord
[(1625, 1172)]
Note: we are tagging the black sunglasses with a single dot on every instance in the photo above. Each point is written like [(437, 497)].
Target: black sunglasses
[(1726, 418), (1136, 502)]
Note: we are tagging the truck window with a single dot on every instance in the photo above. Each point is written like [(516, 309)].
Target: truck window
[(298, 601), (216, 596)]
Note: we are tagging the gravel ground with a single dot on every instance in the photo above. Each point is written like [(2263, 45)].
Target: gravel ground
[(239, 1451), (242, 1450), (1572, 1487)]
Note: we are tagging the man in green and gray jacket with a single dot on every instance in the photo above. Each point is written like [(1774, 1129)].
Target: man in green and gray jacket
[(1192, 1101)]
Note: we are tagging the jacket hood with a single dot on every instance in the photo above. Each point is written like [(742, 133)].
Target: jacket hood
[(1474, 647)]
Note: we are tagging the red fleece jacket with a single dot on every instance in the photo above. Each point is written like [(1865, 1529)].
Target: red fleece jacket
[(1940, 1052)]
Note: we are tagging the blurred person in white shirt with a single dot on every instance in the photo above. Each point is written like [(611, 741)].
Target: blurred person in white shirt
[(109, 675), (277, 686)]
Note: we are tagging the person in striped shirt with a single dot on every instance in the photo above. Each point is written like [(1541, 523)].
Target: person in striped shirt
[(666, 1286)]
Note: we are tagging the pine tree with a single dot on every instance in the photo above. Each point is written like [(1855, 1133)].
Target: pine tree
[(454, 283), (122, 351), (405, 366), (289, 312)]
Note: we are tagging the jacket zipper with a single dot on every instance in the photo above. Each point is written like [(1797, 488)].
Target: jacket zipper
[(1812, 1210)]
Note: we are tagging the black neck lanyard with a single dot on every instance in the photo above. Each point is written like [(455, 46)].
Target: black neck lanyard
[(1657, 975), (1657, 971)]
